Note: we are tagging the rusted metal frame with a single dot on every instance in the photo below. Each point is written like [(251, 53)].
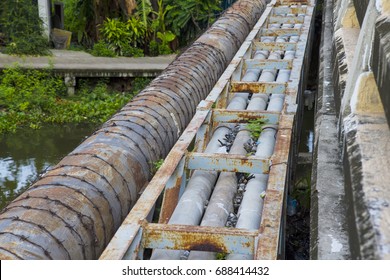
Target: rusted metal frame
[(274, 205), (237, 116), (296, 73), (281, 10), (203, 134), (227, 163), (274, 46), (173, 190), (269, 64), (285, 19), (268, 241), (199, 238), (280, 32), (294, 2), (258, 87), (127, 238), (237, 60)]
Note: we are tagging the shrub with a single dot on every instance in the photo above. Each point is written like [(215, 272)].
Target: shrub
[(23, 28), (131, 51), (102, 49), (32, 97)]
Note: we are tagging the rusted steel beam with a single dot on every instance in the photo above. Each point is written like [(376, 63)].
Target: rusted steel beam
[(275, 46), (199, 238), (226, 163), (231, 116), (257, 87), (285, 19), (90, 192), (274, 201), (280, 32)]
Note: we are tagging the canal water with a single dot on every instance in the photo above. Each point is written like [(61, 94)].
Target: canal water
[(28, 153)]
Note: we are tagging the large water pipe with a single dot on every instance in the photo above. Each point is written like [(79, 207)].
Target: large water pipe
[(74, 209)]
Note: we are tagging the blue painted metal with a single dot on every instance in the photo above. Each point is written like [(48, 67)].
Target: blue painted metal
[(228, 116), (286, 19), (267, 64), (227, 163), (258, 87), (272, 46), (199, 238)]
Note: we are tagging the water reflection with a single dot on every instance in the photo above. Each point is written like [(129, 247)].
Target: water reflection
[(26, 154)]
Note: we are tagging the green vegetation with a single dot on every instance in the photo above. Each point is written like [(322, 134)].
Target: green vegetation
[(31, 97), (188, 18), (22, 28), (221, 256), (102, 49), (256, 127), (156, 166), (302, 191), (129, 27)]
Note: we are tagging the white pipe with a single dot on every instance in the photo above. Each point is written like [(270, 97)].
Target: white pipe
[(258, 102), (239, 101), (251, 75), (283, 76), (276, 102)]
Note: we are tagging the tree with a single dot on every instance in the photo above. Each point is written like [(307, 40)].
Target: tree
[(22, 28), (84, 17), (189, 17)]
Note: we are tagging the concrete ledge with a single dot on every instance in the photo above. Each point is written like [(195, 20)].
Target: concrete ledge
[(328, 236), (381, 60), (81, 64), (367, 177)]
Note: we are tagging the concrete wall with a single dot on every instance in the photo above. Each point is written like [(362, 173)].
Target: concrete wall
[(357, 92)]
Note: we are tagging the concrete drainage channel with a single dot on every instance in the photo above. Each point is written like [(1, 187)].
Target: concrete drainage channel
[(224, 188)]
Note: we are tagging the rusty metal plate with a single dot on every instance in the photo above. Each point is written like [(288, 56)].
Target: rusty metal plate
[(232, 116), (227, 163), (269, 64), (270, 226), (275, 46), (286, 19), (199, 238), (258, 87)]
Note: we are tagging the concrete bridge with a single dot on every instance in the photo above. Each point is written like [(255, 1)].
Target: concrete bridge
[(78, 64)]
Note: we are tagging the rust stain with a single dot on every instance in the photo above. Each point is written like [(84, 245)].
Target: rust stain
[(252, 87)]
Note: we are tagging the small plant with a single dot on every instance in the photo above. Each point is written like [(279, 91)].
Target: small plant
[(256, 127), (115, 33), (102, 49), (139, 84), (221, 256), (156, 166), (132, 51), (302, 191)]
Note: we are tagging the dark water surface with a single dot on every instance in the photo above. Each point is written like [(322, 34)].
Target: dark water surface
[(28, 153)]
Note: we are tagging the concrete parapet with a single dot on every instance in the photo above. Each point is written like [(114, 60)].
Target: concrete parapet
[(381, 56), (360, 84), (329, 237)]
